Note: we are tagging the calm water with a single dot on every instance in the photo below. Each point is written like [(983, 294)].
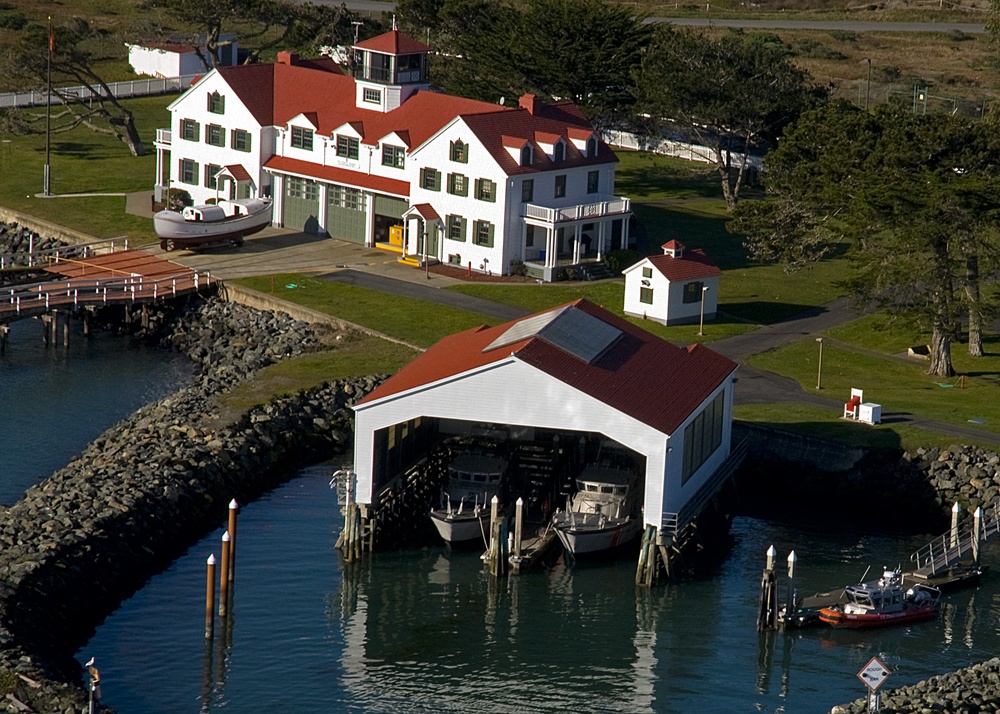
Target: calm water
[(425, 631), (54, 401)]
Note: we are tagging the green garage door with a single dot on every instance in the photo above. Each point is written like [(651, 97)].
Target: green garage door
[(346, 217), (301, 205), (392, 207)]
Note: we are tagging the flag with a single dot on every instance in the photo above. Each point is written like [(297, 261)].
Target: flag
[(52, 38)]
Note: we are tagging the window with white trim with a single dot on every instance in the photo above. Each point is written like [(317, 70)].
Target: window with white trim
[(302, 138), (394, 156), (347, 146), (372, 96)]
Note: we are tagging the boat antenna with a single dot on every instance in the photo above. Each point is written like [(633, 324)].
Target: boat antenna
[(866, 573)]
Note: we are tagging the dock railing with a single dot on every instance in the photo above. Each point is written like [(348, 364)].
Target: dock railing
[(672, 523), (41, 297), (948, 549)]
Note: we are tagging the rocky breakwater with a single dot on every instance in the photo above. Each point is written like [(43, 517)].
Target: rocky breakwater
[(15, 244), (95, 531), (966, 475), (973, 690)]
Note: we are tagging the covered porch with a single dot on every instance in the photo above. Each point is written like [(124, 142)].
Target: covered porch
[(558, 242)]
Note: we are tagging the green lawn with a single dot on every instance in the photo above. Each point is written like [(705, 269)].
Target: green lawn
[(865, 355), (84, 161), (416, 322), (357, 355)]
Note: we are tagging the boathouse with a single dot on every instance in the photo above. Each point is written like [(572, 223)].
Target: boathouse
[(575, 377)]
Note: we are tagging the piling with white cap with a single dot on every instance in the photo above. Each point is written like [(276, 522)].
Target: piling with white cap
[(210, 598)]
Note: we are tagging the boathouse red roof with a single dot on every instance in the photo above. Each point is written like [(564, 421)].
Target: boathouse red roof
[(624, 366)]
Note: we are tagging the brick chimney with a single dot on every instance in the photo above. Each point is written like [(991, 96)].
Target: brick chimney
[(527, 101), (289, 58)]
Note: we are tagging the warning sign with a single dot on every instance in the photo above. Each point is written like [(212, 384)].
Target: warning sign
[(874, 674)]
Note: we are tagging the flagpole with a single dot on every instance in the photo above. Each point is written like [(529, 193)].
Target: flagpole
[(47, 181)]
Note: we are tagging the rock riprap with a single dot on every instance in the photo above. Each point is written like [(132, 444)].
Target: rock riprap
[(91, 534)]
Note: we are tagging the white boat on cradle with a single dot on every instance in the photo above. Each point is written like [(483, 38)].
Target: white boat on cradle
[(225, 220), (473, 480), (604, 513)]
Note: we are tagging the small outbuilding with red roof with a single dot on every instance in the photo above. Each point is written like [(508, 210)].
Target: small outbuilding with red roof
[(679, 287), (575, 377)]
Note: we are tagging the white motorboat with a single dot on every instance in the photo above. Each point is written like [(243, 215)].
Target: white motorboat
[(473, 480), (604, 513), (209, 223)]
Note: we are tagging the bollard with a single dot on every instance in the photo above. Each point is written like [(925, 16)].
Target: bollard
[(233, 512), (210, 598), (224, 576), (954, 526)]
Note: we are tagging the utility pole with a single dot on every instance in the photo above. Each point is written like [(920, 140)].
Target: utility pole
[(47, 179)]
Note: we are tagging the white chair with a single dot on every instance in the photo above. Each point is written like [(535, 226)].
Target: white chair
[(851, 407)]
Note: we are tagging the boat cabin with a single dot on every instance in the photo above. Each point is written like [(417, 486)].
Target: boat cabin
[(878, 599), (204, 214)]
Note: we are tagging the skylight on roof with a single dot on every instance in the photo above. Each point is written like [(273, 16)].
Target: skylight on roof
[(570, 329)]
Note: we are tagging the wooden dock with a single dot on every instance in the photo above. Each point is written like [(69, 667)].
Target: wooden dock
[(131, 276)]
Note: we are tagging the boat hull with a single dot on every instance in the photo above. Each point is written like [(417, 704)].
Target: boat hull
[(175, 231), (582, 540), (836, 617), (461, 528)]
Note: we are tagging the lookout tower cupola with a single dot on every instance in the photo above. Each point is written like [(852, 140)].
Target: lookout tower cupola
[(387, 69)]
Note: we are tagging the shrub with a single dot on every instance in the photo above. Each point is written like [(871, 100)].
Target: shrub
[(517, 267), (178, 200), (618, 260), (12, 20)]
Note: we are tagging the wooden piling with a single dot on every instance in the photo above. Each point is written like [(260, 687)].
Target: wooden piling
[(233, 512), (65, 330), (210, 599), (4, 331), (495, 557), (767, 607), (46, 329), (792, 559), (977, 532), (518, 526), (86, 322), (645, 573), (224, 577)]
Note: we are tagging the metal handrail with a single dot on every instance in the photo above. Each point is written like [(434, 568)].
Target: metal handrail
[(955, 543)]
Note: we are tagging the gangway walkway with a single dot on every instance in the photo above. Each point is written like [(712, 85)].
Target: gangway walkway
[(959, 542), (126, 276)]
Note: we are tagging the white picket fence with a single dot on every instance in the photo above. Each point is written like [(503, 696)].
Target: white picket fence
[(671, 147), (131, 88)]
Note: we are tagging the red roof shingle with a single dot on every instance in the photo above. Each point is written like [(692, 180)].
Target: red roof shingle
[(344, 177), (394, 42), (639, 374), (692, 264)]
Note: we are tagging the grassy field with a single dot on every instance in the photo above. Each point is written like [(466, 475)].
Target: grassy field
[(416, 322), (84, 161)]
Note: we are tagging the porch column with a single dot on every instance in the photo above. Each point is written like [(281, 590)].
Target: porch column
[(321, 213), (601, 235), (550, 247), (577, 232), (625, 240)]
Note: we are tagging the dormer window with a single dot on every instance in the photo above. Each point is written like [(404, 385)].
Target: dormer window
[(347, 147), (460, 151), (393, 156), (216, 103), (592, 146), (559, 152), (526, 155), (372, 96), (302, 138)]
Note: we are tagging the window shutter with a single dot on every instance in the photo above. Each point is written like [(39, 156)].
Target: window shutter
[(437, 179), (492, 198), (490, 240), (464, 222)]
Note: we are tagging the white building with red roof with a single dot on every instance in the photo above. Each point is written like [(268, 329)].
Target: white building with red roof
[(576, 370), (376, 157), (178, 58), (679, 287)]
